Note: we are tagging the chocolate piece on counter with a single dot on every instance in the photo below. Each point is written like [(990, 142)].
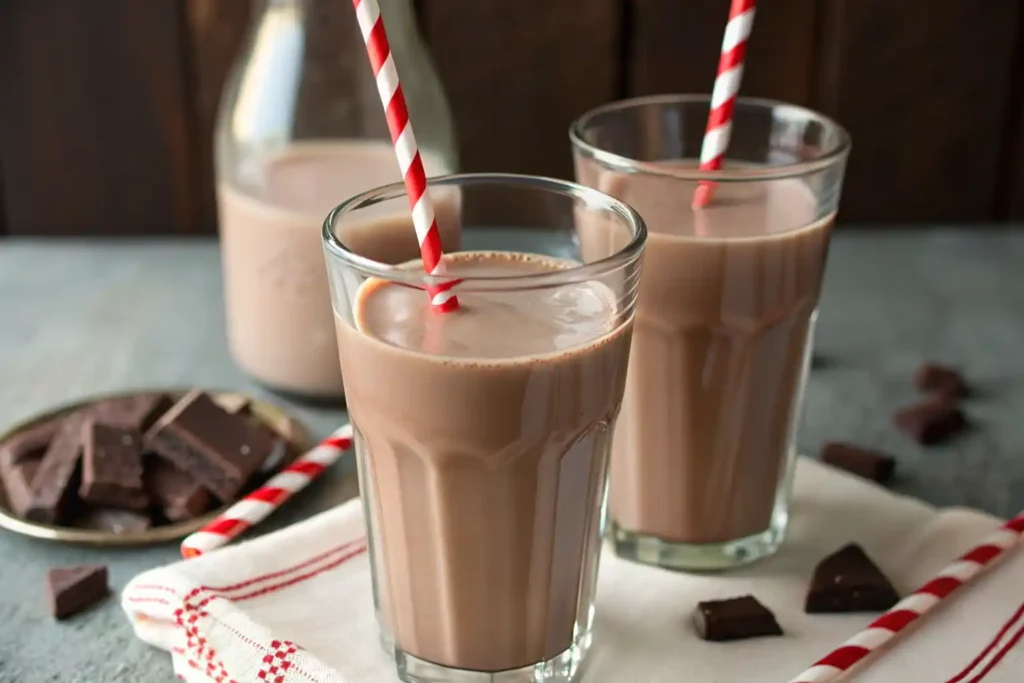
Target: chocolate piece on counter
[(863, 462), (848, 581), (217, 449), (114, 521), (17, 480), (734, 619), (175, 493), (138, 411), (931, 421), (112, 467), (72, 589), (941, 380), (55, 480), (30, 442)]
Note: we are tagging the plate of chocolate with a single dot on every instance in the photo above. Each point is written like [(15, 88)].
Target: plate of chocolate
[(141, 467)]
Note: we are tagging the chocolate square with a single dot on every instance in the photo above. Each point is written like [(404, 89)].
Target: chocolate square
[(30, 442), (17, 479), (217, 449), (734, 619), (848, 581), (931, 421), (112, 467), (55, 480), (174, 492), (942, 380), (863, 462), (138, 411), (20, 456), (72, 589)]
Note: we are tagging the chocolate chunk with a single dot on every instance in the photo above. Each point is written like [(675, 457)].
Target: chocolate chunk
[(174, 492), (941, 380), (217, 449), (863, 462), (30, 442), (931, 421), (114, 521), (72, 589), (138, 411), (848, 581), (20, 455), (734, 619), (17, 480), (56, 479), (112, 467)]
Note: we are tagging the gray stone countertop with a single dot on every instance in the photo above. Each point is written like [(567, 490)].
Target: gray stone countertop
[(84, 317)]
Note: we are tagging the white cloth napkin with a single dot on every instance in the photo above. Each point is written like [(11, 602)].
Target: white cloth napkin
[(295, 606)]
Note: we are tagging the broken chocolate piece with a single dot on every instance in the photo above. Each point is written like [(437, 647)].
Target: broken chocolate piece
[(941, 380), (17, 480), (112, 467), (931, 421), (863, 462), (19, 460), (174, 492), (114, 521), (72, 589), (138, 411), (30, 442), (734, 619), (55, 480), (217, 449), (848, 581)]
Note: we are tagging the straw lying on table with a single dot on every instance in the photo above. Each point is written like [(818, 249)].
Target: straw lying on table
[(723, 96), (259, 504), (908, 610), (406, 149)]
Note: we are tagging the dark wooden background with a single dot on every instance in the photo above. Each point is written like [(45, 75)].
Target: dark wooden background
[(107, 106)]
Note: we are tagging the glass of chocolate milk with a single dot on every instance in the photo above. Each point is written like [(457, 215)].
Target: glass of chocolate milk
[(483, 435), (704, 450)]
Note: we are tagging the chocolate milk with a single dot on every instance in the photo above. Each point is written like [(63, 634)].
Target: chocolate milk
[(717, 368), (279, 322), (483, 439)]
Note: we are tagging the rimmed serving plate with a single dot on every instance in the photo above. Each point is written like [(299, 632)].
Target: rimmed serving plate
[(270, 414)]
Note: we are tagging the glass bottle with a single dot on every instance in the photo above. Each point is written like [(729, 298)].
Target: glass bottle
[(301, 128)]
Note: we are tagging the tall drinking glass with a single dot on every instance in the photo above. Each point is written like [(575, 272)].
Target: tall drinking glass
[(704, 450), (483, 434)]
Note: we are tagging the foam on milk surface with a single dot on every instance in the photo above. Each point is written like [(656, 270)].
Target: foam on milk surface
[(744, 210), (491, 325)]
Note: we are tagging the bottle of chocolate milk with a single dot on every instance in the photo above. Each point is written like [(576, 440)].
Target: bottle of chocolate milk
[(301, 130), (703, 450)]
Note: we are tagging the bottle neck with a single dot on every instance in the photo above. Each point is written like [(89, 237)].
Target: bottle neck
[(399, 14)]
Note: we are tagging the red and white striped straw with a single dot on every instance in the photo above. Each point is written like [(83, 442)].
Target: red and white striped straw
[(258, 505), (908, 610), (406, 149), (723, 96)]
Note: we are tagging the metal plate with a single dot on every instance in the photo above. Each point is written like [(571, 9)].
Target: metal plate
[(273, 416)]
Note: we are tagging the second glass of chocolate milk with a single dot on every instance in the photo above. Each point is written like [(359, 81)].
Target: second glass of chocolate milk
[(483, 434), (704, 449)]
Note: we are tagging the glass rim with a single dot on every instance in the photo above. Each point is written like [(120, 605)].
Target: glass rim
[(417, 278), (578, 128)]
